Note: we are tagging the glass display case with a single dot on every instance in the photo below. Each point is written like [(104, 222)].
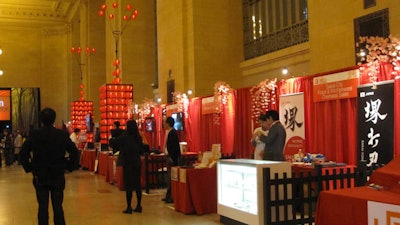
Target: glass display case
[(240, 188)]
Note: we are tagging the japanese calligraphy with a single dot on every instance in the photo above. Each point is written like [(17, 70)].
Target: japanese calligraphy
[(290, 118), (372, 111)]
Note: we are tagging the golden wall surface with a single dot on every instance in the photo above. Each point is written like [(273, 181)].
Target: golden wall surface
[(194, 42)]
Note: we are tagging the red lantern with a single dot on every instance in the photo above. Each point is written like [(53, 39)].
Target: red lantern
[(129, 7), (87, 50), (81, 86), (103, 7), (115, 5), (116, 62), (72, 49), (117, 71), (79, 50), (125, 17), (111, 16), (93, 50), (101, 13), (133, 16)]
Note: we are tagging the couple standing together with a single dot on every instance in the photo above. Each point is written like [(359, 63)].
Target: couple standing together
[(269, 139)]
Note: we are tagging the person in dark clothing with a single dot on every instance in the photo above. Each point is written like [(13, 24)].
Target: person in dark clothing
[(116, 132), (130, 146), (43, 154), (173, 152), (7, 142)]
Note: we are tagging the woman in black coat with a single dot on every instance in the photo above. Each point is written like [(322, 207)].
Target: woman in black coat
[(130, 147)]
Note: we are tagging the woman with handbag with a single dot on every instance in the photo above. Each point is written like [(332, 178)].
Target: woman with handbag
[(130, 147)]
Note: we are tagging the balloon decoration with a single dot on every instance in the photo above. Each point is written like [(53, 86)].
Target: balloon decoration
[(127, 14)]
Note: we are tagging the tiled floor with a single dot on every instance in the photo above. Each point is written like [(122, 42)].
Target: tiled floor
[(88, 200)]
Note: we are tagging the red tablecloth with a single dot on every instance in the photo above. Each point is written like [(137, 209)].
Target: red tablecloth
[(195, 191), (349, 206), (388, 176), (88, 158), (114, 173), (297, 169), (103, 163)]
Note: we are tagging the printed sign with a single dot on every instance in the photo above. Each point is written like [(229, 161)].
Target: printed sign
[(5, 105), (291, 116), (375, 123), (208, 106), (336, 86), (383, 214)]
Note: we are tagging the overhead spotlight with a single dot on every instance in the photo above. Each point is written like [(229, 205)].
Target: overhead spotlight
[(189, 92), (285, 70)]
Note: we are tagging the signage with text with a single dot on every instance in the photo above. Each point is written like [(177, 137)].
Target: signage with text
[(336, 86), (208, 106), (5, 104)]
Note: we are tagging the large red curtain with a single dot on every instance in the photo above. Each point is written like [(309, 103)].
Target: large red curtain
[(330, 126)]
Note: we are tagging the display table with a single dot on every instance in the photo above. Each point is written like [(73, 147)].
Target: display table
[(388, 176), (102, 166), (114, 173), (349, 206), (241, 190), (306, 169), (194, 190), (88, 158)]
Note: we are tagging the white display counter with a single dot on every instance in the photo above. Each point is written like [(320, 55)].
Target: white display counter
[(240, 188)]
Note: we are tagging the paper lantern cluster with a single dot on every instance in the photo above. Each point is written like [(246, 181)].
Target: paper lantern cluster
[(82, 117), (114, 102)]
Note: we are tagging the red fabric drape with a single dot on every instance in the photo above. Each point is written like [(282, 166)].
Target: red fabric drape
[(244, 128), (192, 122), (330, 126)]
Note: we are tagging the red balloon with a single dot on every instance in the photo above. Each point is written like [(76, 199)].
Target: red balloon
[(115, 5), (101, 13), (129, 7), (104, 6), (111, 16)]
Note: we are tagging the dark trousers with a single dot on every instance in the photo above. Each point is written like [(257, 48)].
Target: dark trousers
[(9, 154), (54, 187)]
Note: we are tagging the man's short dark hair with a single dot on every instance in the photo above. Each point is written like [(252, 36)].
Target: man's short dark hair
[(77, 130), (117, 124), (48, 116), (273, 114), (170, 121), (262, 117)]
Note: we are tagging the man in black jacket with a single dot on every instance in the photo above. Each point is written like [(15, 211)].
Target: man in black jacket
[(47, 163), (174, 152)]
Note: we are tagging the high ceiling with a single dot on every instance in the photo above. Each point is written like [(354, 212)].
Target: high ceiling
[(37, 11)]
